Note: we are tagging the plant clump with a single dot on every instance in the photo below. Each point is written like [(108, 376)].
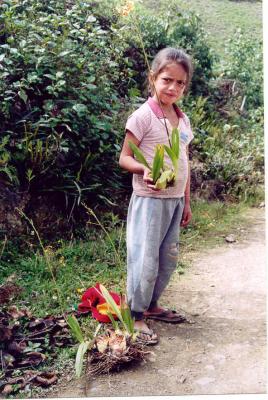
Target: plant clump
[(112, 350), (162, 175), (114, 347)]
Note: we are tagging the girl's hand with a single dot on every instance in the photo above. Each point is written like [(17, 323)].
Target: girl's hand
[(148, 180), (186, 215)]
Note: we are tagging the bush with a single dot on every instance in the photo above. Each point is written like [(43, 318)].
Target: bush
[(58, 97), (231, 154), (246, 68), (68, 73)]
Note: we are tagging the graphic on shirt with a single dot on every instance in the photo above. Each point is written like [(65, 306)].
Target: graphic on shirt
[(184, 137)]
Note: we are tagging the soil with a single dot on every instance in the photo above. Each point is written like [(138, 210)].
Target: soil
[(223, 349)]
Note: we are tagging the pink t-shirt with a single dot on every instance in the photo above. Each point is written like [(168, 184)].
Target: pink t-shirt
[(147, 125)]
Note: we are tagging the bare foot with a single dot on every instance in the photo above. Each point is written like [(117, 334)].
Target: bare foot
[(141, 326), (145, 335)]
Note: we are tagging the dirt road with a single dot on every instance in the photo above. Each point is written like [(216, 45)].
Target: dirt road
[(224, 350)]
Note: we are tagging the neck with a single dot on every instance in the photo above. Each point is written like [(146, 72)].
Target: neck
[(167, 107), (163, 106)]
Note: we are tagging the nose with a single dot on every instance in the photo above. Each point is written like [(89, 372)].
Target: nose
[(173, 86)]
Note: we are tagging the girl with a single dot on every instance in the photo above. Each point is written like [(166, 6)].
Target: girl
[(155, 216)]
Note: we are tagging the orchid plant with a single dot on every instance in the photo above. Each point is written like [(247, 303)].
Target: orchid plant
[(115, 341)]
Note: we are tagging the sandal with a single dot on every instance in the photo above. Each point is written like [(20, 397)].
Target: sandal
[(147, 338), (170, 316)]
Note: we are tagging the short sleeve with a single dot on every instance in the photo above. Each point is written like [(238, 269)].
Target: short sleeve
[(135, 126), (138, 123)]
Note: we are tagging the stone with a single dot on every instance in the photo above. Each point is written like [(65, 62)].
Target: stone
[(230, 238)]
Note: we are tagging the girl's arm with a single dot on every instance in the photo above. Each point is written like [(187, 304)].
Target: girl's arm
[(128, 162), (187, 213)]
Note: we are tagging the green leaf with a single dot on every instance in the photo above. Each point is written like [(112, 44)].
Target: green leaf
[(23, 95), (175, 142), (80, 108), (114, 306), (172, 156), (75, 328), (126, 314), (138, 154), (158, 162), (82, 349), (59, 74), (111, 302), (91, 18), (64, 53), (50, 76), (165, 178), (113, 321)]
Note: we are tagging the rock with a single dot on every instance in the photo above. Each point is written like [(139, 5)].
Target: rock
[(262, 204), (182, 379), (210, 345), (230, 238)]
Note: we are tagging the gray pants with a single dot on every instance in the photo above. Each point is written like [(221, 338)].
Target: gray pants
[(153, 227)]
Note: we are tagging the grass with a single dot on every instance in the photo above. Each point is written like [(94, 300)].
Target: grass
[(79, 264), (76, 266), (222, 18)]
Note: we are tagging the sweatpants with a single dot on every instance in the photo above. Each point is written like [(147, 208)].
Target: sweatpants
[(153, 227)]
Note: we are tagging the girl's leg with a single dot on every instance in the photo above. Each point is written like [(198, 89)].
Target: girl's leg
[(168, 254), (147, 225), (142, 258)]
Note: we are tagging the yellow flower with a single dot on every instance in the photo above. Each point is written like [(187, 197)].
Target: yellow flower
[(80, 290), (48, 250), (62, 261), (105, 308), (126, 8)]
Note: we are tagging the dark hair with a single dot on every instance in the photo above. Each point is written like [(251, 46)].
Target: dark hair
[(169, 55)]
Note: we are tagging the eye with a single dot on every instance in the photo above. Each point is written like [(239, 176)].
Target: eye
[(181, 83), (166, 79)]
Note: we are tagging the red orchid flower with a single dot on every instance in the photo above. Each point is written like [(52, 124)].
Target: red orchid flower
[(92, 300)]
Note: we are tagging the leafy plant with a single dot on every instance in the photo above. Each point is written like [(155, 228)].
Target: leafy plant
[(161, 174), (122, 312), (84, 343), (67, 79), (245, 67)]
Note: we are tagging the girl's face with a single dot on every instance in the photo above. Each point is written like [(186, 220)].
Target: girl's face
[(170, 84)]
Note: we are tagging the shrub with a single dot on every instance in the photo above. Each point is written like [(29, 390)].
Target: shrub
[(58, 96), (246, 68), (231, 154), (68, 73)]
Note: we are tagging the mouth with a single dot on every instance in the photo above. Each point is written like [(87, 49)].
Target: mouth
[(171, 94)]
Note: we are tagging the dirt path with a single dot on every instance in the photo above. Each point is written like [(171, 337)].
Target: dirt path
[(224, 350)]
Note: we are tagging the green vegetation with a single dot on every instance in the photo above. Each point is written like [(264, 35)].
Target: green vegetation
[(68, 73), (79, 264), (222, 18)]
